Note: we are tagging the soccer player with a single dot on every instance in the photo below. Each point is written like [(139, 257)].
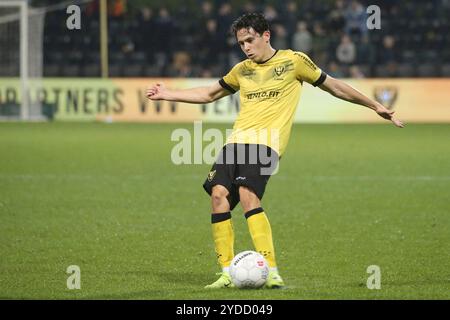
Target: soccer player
[(270, 83)]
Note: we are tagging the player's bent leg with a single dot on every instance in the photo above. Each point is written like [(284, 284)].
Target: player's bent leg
[(261, 233), (249, 200), (219, 201), (223, 234)]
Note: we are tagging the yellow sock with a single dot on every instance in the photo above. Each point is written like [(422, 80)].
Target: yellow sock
[(223, 234), (261, 233)]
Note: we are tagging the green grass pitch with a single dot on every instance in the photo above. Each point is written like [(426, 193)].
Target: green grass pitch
[(106, 197)]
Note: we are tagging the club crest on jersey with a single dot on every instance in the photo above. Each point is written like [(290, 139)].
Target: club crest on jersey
[(386, 96), (279, 70), (211, 175)]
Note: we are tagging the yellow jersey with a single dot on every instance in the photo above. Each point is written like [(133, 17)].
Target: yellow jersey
[(269, 95)]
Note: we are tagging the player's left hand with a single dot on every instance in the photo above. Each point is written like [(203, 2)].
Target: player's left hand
[(388, 115)]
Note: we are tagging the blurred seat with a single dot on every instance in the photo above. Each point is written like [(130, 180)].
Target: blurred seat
[(74, 56), (70, 70), (138, 57), (417, 41), (94, 24), (366, 70), (345, 71), (446, 53), (133, 70), (405, 70), (445, 70), (429, 56), (117, 57), (402, 24), (90, 70), (115, 70), (9, 70), (54, 57), (50, 43), (409, 56), (152, 71), (51, 70), (64, 41), (87, 41), (383, 71), (92, 57), (114, 26), (427, 70), (216, 71)]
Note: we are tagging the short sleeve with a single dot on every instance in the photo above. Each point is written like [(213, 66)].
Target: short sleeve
[(231, 81), (306, 70)]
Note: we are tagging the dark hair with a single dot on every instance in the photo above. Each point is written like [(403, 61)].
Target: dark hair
[(250, 20)]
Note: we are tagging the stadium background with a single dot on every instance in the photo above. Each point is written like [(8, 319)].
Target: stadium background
[(191, 39), (105, 195), (189, 44)]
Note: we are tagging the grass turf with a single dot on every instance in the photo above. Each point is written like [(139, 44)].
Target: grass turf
[(106, 197)]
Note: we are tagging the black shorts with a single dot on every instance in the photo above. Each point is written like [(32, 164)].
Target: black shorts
[(249, 165)]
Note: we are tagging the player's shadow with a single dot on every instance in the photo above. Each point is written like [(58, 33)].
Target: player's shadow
[(143, 294), (184, 282), (191, 278)]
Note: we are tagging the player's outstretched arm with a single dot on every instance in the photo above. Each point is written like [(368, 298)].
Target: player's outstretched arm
[(346, 92), (195, 95)]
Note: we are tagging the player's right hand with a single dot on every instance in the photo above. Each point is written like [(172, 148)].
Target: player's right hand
[(155, 92), (389, 115)]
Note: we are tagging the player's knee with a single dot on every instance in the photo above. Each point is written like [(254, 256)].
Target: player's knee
[(246, 194), (249, 200), (219, 195)]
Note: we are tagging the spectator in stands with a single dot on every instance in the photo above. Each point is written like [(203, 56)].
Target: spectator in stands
[(165, 31), (224, 18), (290, 17), (302, 39), (248, 7), (336, 19), (271, 14), (146, 25), (181, 66), (92, 9), (392, 69), (355, 72), (334, 70), (419, 28), (210, 53), (346, 51), (206, 73), (320, 45), (366, 53), (128, 45), (280, 37), (355, 17), (117, 8), (207, 10), (388, 52)]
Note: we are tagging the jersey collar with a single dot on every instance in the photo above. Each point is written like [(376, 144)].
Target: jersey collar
[(269, 58)]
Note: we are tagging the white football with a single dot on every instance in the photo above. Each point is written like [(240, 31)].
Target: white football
[(249, 269)]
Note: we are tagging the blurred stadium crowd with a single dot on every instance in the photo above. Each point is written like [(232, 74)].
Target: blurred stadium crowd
[(188, 40)]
